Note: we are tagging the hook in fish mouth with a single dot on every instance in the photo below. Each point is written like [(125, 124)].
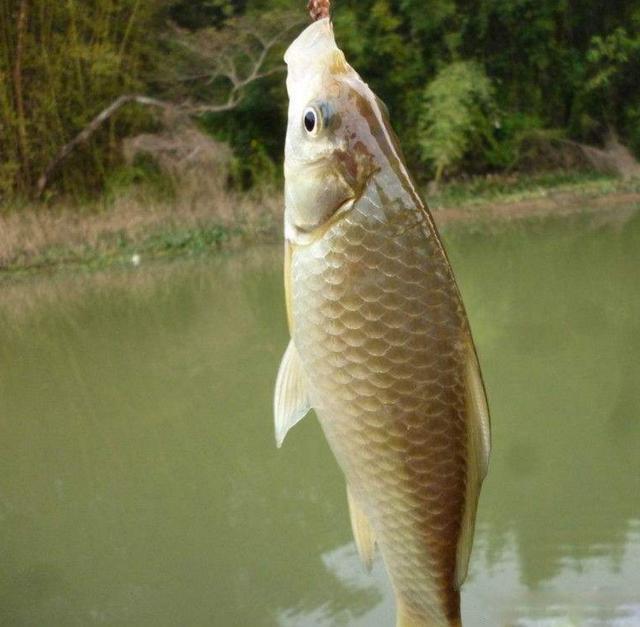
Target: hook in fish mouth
[(319, 9)]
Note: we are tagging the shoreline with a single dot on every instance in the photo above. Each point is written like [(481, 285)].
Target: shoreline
[(561, 205), (35, 241)]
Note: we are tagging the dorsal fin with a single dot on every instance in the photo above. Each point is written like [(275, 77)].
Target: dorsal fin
[(478, 450)]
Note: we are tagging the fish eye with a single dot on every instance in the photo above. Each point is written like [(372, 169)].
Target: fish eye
[(316, 117), (311, 121)]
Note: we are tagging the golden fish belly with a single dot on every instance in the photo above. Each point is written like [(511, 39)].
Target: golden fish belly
[(382, 335)]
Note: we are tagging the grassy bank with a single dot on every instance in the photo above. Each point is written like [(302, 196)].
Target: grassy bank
[(133, 228), (138, 226), (500, 189)]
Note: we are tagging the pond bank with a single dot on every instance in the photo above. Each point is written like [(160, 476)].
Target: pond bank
[(611, 206), (129, 232)]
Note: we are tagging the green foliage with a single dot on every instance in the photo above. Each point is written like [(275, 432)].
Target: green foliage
[(144, 174), (456, 116), (499, 75), (484, 190), (193, 14), (610, 95), (254, 168), (505, 148), (251, 131), (609, 57), (184, 241), (535, 53), (65, 61), (632, 126)]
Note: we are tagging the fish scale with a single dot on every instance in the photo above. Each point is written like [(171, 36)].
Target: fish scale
[(380, 343), (383, 386)]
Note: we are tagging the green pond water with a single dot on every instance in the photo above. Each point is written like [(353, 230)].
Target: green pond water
[(140, 483)]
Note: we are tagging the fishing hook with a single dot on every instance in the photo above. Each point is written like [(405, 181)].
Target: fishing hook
[(319, 9)]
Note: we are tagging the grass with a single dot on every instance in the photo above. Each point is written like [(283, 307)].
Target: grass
[(134, 227), (139, 224), (510, 189)]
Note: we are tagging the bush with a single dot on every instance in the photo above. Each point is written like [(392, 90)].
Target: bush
[(512, 131), (610, 96), (73, 60), (457, 116)]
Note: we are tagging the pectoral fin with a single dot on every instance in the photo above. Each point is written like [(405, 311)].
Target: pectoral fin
[(290, 402), (362, 532), (478, 449)]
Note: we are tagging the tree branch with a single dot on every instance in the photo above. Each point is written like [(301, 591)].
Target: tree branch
[(240, 56), (17, 84), (86, 133)]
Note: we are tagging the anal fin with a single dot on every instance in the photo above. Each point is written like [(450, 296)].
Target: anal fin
[(290, 401), (362, 531)]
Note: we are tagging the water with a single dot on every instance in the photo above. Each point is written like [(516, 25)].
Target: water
[(140, 484)]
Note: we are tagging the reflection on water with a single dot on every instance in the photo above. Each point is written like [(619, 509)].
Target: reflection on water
[(140, 483)]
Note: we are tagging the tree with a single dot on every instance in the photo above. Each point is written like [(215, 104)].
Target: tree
[(228, 61), (610, 97), (456, 115)]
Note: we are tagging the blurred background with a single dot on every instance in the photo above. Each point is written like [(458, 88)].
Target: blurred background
[(142, 311), (171, 113)]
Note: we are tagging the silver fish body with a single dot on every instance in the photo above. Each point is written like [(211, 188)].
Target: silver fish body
[(381, 347)]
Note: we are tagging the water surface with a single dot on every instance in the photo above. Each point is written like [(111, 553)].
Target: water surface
[(140, 484)]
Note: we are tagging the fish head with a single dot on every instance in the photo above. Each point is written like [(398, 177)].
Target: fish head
[(336, 133)]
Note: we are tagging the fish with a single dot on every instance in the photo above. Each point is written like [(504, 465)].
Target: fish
[(381, 347)]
